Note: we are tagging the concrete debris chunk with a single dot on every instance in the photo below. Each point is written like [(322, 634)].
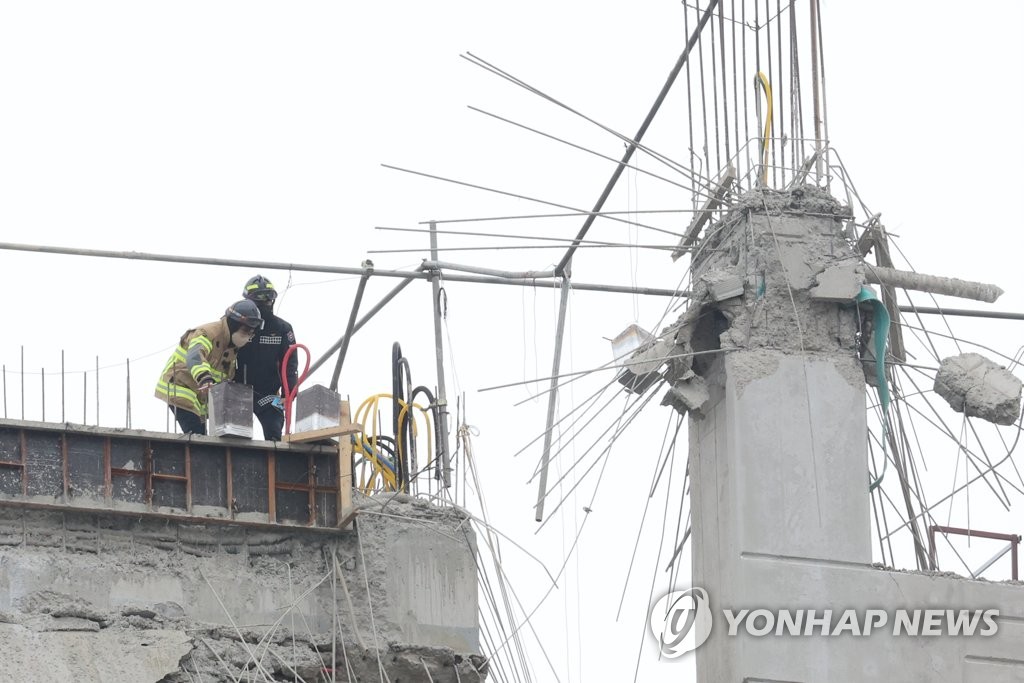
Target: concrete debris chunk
[(978, 387), (724, 285), (837, 284), (688, 395)]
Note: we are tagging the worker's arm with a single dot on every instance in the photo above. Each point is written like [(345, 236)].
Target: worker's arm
[(197, 360)]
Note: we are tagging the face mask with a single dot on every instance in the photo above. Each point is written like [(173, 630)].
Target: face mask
[(240, 338)]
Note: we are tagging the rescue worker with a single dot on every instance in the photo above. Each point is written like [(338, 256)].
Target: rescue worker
[(205, 356), (259, 363)]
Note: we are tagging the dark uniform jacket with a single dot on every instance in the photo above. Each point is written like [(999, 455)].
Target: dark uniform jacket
[(210, 346), (259, 361)]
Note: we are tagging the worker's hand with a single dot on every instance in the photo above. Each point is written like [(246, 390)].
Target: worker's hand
[(205, 382), (278, 403)]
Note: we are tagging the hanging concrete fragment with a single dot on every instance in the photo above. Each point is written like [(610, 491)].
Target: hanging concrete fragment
[(977, 387), (838, 284)]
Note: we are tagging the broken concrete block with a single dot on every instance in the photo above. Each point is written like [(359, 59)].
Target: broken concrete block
[(688, 396), (722, 286), (839, 284), (978, 387)]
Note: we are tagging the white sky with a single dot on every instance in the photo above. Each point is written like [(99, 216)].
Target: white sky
[(256, 131)]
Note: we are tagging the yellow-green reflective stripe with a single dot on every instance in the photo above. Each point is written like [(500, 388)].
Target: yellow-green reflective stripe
[(206, 367), (203, 341), (176, 391), (199, 369)]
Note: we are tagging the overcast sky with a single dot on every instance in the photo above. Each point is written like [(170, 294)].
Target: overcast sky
[(257, 131)]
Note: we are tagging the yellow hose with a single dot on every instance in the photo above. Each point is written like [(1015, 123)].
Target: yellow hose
[(367, 414), (766, 87)]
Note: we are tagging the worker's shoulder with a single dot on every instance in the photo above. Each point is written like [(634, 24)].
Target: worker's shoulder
[(279, 324), (207, 329)]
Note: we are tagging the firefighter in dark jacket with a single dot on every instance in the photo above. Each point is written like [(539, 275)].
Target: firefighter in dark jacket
[(259, 363), (205, 356)]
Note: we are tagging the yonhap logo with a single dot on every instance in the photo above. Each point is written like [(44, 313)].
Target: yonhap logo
[(681, 621)]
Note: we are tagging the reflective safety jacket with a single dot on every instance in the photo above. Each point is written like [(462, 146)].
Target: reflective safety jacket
[(259, 361), (202, 351)]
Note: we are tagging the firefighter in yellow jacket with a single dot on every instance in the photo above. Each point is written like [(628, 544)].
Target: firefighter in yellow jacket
[(204, 357)]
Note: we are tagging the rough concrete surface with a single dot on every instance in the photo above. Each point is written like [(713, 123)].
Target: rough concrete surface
[(98, 598), (778, 460), (978, 387)]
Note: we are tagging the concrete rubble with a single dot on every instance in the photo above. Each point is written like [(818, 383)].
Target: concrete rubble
[(97, 598), (753, 274), (976, 386)]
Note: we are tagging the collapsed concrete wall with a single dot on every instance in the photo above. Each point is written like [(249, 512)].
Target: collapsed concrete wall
[(105, 597)]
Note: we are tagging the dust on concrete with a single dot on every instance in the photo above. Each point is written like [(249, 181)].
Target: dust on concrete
[(73, 548), (770, 248)]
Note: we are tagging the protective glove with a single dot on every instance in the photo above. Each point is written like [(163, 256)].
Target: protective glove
[(277, 403), (205, 382)]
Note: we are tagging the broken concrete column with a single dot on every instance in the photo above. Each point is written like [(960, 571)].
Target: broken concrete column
[(978, 387)]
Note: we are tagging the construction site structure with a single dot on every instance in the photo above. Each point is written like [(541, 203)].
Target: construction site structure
[(128, 556), (769, 363)]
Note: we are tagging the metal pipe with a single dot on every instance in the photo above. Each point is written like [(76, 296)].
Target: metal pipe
[(965, 312), (817, 96), (950, 286), (981, 570), (362, 321), (367, 272), (552, 400), (561, 267), (511, 275), (407, 275), (442, 396)]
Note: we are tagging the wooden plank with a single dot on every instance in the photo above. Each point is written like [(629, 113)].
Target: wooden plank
[(346, 517), (345, 512), (324, 433)]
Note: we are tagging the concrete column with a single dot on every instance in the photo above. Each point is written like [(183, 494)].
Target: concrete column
[(778, 459)]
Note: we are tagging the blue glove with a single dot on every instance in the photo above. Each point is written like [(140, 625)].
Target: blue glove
[(278, 403)]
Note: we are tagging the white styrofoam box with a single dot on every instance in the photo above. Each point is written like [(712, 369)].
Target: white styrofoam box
[(230, 406), (316, 408)]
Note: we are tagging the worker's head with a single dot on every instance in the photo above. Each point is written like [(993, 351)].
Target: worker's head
[(261, 291), (243, 320)]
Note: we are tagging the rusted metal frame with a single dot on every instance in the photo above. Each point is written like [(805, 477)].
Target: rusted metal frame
[(1014, 540), (311, 478), (230, 484), (292, 486), (162, 515), (272, 486), (188, 477), (169, 477)]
